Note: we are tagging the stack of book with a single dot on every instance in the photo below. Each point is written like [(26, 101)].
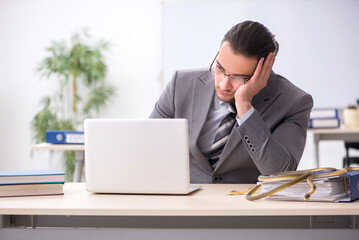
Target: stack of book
[(324, 118), (31, 183)]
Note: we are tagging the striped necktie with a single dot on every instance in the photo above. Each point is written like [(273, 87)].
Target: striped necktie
[(222, 134)]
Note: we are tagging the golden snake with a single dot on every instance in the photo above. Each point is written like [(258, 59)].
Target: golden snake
[(294, 177)]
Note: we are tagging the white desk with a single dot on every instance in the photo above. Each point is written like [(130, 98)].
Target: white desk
[(79, 155), (332, 134), (201, 212), (211, 200)]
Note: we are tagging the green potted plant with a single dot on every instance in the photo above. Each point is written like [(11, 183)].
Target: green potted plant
[(80, 70)]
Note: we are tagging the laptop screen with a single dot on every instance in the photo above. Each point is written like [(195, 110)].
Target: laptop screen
[(137, 156)]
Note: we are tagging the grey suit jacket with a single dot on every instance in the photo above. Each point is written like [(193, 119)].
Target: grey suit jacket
[(271, 140)]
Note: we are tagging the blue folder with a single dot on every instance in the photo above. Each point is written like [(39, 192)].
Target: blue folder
[(353, 191), (64, 137)]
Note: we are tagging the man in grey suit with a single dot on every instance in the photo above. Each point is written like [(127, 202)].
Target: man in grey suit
[(270, 119)]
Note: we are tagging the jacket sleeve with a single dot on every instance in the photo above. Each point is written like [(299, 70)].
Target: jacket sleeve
[(164, 107), (280, 149)]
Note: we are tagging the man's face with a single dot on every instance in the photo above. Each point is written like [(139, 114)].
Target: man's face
[(234, 65)]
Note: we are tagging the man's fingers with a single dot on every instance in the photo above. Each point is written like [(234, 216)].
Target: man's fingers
[(267, 66), (272, 60), (264, 68), (257, 72)]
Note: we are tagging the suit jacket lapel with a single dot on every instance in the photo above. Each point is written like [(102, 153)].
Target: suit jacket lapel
[(260, 103), (203, 93)]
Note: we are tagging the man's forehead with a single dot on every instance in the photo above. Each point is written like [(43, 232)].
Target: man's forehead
[(235, 64)]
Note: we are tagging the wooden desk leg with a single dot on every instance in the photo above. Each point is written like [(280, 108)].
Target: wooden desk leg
[(316, 149), (80, 159)]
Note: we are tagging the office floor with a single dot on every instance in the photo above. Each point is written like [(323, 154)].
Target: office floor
[(174, 234)]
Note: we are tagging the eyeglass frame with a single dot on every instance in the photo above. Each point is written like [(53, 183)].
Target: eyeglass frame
[(231, 77)]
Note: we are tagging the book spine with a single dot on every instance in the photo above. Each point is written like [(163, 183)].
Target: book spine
[(354, 191), (324, 113), (27, 183), (353, 186), (324, 123)]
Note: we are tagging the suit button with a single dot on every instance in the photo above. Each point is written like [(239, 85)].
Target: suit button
[(246, 137), (216, 179)]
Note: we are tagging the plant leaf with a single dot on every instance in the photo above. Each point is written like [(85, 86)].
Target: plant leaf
[(97, 98)]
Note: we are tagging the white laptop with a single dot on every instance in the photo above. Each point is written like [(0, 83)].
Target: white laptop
[(148, 156)]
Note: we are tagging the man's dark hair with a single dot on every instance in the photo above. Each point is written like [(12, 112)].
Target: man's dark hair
[(251, 39)]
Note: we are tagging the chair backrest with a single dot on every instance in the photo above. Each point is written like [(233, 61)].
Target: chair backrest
[(347, 160), (351, 145)]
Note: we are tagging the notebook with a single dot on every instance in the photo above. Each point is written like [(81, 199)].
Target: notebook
[(147, 156)]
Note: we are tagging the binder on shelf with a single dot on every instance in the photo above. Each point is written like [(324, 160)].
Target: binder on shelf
[(64, 137), (324, 123), (324, 113)]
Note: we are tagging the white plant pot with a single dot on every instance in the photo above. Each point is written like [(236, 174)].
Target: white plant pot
[(351, 118)]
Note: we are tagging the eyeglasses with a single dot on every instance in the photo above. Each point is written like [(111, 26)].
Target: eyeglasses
[(219, 72)]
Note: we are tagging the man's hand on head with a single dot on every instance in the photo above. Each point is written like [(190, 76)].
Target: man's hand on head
[(245, 93)]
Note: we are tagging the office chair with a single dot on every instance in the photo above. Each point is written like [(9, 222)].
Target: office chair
[(350, 160)]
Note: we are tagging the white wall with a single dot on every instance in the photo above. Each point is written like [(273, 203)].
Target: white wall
[(27, 27), (318, 40), (318, 48), (135, 65)]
